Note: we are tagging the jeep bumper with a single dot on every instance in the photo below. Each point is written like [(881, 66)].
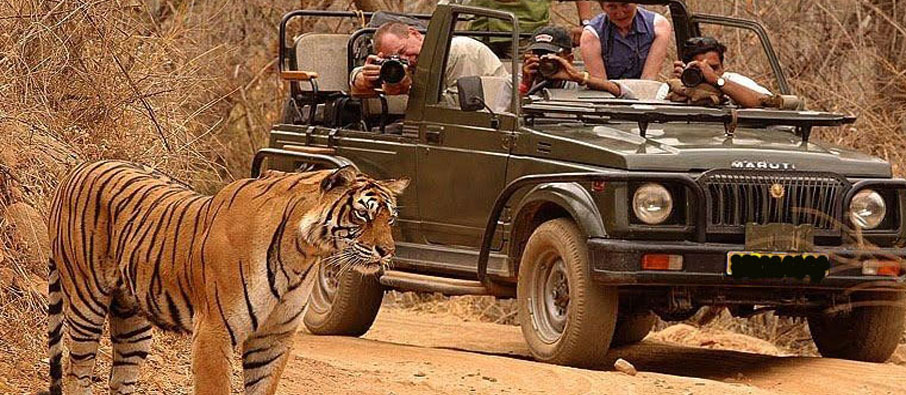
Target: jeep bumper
[(618, 262)]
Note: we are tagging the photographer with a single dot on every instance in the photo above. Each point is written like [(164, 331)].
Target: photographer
[(467, 57), (707, 54), (552, 45)]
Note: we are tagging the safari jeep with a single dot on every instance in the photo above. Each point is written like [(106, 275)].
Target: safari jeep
[(595, 213)]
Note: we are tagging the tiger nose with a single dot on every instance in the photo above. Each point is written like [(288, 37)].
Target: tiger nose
[(384, 252)]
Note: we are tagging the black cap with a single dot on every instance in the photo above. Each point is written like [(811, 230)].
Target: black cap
[(551, 38)]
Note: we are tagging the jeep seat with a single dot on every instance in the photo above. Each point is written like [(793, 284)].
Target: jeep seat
[(324, 53)]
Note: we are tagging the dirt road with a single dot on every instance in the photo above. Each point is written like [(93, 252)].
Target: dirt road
[(406, 353)]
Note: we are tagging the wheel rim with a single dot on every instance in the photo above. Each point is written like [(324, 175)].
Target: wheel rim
[(328, 282), (550, 297)]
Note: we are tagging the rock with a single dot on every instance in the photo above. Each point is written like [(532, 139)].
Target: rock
[(622, 365), (420, 374)]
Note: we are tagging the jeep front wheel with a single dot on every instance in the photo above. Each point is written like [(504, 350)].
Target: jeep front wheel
[(869, 331), (342, 302), (566, 318)]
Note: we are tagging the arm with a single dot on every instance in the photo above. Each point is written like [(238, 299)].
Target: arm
[(569, 73), (591, 54), (658, 52), (584, 10), (741, 95), (529, 68), (585, 14), (364, 81)]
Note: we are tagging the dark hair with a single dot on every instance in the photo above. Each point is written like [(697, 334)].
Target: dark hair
[(698, 45)]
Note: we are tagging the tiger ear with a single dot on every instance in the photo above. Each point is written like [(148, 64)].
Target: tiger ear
[(341, 177), (396, 186)]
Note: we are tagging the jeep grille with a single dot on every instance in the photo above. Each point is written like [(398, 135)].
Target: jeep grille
[(739, 197)]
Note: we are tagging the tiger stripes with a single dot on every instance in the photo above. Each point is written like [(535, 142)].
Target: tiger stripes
[(135, 248)]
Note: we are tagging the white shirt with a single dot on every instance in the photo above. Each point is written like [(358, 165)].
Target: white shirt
[(729, 76)]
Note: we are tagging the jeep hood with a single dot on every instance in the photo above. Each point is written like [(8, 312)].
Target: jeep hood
[(694, 147)]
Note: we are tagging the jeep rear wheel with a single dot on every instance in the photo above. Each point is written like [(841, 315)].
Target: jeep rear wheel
[(868, 332), (565, 317), (342, 302)]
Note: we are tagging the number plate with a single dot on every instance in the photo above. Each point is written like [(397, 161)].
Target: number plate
[(746, 264)]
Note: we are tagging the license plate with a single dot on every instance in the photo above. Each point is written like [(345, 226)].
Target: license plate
[(747, 264)]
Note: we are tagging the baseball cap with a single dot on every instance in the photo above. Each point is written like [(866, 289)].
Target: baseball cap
[(551, 38)]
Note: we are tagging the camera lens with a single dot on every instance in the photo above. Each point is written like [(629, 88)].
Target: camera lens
[(548, 67), (393, 71), (692, 76)]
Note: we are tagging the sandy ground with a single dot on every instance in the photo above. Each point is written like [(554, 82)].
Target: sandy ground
[(408, 353)]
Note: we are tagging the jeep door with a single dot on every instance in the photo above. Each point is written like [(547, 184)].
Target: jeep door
[(461, 157)]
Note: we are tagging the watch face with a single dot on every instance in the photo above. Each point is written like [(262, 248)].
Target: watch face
[(720, 82)]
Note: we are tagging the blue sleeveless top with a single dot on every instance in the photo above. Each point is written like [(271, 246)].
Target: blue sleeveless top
[(624, 57)]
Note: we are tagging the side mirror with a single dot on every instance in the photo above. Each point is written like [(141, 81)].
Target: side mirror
[(471, 93)]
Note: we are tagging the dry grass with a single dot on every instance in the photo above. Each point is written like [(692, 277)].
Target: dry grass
[(188, 86)]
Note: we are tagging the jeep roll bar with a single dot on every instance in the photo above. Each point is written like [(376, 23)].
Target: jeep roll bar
[(318, 159)]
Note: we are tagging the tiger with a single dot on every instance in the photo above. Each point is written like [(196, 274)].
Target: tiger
[(134, 245)]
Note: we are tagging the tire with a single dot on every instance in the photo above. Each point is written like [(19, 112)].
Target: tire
[(869, 332), (342, 304), (632, 327), (574, 322)]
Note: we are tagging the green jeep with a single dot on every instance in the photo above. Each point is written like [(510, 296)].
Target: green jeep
[(596, 213)]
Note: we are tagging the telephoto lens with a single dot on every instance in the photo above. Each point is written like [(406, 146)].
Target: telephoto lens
[(548, 67), (393, 70), (692, 76)]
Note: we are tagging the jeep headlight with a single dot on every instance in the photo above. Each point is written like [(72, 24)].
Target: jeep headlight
[(652, 203), (867, 209)]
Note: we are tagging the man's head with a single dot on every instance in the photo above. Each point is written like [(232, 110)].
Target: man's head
[(552, 40), (705, 49), (395, 38), (620, 14)]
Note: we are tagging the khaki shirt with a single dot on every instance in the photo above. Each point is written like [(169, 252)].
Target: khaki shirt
[(468, 57)]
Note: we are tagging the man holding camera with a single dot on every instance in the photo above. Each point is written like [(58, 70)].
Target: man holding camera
[(550, 58), (706, 54), (467, 57)]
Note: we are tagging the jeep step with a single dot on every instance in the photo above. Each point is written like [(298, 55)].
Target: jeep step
[(405, 281)]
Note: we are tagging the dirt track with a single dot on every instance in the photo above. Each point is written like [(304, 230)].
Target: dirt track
[(407, 353)]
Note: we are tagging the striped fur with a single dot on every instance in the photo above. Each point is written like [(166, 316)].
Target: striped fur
[(140, 249)]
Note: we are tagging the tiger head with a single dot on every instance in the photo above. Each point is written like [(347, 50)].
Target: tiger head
[(354, 225)]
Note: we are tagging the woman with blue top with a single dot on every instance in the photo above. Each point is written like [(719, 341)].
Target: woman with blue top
[(625, 42)]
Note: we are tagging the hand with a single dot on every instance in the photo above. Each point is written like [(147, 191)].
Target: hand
[(371, 72), (529, 66), (567, 71), (707, 71), (678, 67), (576, 33)]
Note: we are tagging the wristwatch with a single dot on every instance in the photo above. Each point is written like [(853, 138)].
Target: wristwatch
[(720, 83), (585, 22)]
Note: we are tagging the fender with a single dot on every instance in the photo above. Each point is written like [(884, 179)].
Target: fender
[(573, 198)]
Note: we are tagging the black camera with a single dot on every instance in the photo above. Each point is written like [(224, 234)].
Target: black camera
[(548, 66), (692, 76), (393, 69)]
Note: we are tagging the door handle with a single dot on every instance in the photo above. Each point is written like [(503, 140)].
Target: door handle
[(434, 134)]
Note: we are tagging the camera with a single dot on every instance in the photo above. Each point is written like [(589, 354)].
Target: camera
[(393, 69), (692, 76), (548, 66)]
